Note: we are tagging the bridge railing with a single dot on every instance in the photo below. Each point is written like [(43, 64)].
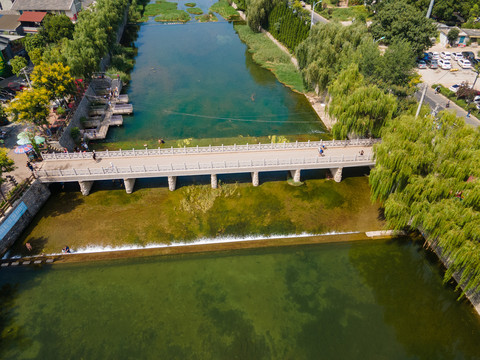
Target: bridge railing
[(230, 165), (209, 149)]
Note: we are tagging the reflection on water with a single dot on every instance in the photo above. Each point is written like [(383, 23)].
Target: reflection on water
[(199, 81), (372, 300)]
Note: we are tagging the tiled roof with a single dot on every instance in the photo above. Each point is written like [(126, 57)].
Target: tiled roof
[(32, 16), (33, 5)]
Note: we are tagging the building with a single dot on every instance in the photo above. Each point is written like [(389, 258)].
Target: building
[(31, 20), (66, 7), (465, 36), (10, 25)]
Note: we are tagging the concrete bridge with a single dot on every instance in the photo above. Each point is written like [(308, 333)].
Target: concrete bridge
[(211, 160)]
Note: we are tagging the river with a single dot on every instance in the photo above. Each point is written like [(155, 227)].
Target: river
[(360, 300)]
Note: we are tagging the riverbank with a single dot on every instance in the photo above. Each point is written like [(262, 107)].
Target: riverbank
[(153, 214)]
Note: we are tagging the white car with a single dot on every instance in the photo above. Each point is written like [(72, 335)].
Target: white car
[(457, 56), (444, 64), (434, 55), (445, 55), (464, 64), (454, 88)]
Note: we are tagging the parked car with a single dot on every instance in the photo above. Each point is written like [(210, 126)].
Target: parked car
[(444, 64), (464, 64), (454, 88), (433, 64), (421, 64), (468, 55), (457, 56), (445, 55)]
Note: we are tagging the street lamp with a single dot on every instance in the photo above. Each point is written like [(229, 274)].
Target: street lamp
[(313, 10), (430, 8), (375, 41)]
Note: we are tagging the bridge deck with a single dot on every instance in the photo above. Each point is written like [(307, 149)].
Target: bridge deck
[(177, 164)]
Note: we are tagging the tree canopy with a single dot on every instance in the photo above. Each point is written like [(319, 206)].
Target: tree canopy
[(55, 78), (56, 27), (398, 20), (17, 64), (360, 109), (30, 106), (427, 175)]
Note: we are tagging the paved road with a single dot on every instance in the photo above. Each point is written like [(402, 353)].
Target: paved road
[(316, 18), (438, 101)]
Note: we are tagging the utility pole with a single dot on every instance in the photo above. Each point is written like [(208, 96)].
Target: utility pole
[(421, 101), (430, 8), (313, 10), (26, 77)]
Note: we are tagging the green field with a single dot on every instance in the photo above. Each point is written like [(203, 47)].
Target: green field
[(225, 10)]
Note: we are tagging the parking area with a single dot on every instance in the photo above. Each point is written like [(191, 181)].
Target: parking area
[(448, 78)]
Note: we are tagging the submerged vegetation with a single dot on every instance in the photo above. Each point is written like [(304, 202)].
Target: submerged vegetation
[(267, 54), (157, 215), (206, 17)]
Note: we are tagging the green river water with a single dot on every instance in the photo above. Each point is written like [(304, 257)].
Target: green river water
[(363, 300), (198, 80)]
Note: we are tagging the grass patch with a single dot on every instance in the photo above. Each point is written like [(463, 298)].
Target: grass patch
[(225, 10), (156, 215), (210, 17), (159, 7), (346, 14), (174, 15), (460, 102), (269, 56), (195, 11), (190, 4)]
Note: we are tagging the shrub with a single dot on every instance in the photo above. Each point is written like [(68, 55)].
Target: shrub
[(75, 133)]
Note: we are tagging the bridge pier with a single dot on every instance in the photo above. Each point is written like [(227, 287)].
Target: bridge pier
[(255, 180), (337, 174), (295, 175), (213, 180), (129, 184), (85, 187), (172, 182)]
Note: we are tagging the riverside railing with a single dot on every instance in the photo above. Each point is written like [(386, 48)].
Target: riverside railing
[(195, 168), (209, 149)]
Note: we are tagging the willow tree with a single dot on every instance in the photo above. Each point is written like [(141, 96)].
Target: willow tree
[(328, 50), (360, 109), (427, 175)]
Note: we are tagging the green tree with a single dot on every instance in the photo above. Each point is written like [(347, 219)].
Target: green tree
[(398, 21), (360, 109), (452, 35), (56, 27), (30, 106), (328, 50), (17, 64), (36, 41), (258, 11), (427, 176)]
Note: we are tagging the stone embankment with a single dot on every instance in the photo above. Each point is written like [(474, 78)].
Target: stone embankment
[(21, 214)]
